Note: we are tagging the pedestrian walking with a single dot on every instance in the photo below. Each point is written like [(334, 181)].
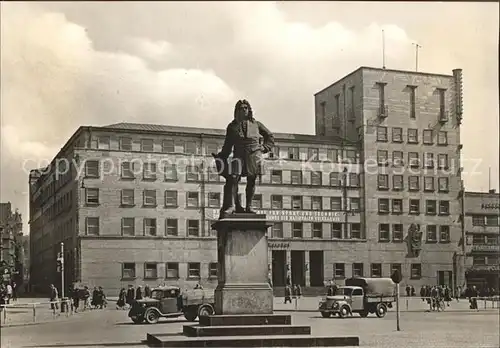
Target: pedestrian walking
[(122, 299), (288, 293), (54, 297)]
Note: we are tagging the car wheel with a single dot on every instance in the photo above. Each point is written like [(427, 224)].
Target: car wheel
[(152, 316), (364, 313), (343, 312), (190, 315), (205, 311), (326, 314), (381, 310)]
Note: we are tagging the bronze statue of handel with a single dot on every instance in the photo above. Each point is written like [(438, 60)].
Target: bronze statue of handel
[(242, 138)]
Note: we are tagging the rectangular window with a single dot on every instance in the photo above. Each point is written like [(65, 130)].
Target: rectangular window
[(149, 171), (414, 206), (442, 138), (479, 260), (297, 230), (491, 220), (277, 231), (170, 172), (442, 161), (339, 271), (376, 269), (381, 98), (397, 182), (337, 106), (443, 184), (383, 205), (396, 267), (313, 154), (357, 270), (276, 177), (444, 207), (296, 202), (92, 226), (213, 174), (381, 134), (214, 199), (356, 231), (332, 155), (444, 234), (128, 226), (478, 220), (316, 203), (412, 136), (413, 111), (428, 135), (92, 169), (212, 270), (192, 200), (431, 232), (336, 230), (316, 178), (429, 184), (397, 135), (149, 198), (413, 159), (384, 234), (317, 230), (92, 196), (128, 270), (397, 232), (354, 204), (442, 103), (128, 198), (276, 202), (127, 170), (125, 144), (397, 206), (103, 143), (147, 145), (256, 201), (171, 227), (351, 156), (397, 158), (194, 270), (150, 270), (149, 227), (382, 157), (336, 203), (191, 148), (171, 198), (335, 179), (430, 207), (172, 270), (296, 177), (168, 146), (413, 183), (293, 153), (416, 271), (383, 181), (353, 180), (192, 173), (193, 227), (429, 160)]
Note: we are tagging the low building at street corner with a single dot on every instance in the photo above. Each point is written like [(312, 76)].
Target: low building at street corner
[(482, 238), (133, 203)]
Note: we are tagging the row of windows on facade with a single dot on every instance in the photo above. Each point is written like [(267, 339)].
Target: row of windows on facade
[(485, 239), (195, 174), (431, 206), (485, 220), (194, 148), (428, 159), (485, 260), (428, 136), (171, 270), (193, 200), (413, 183), (375, 270), (297, 229)]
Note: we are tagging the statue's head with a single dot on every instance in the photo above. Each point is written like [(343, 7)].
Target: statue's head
[(243, 110)]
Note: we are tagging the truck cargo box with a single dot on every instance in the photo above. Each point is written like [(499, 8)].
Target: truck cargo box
[(374, 287)]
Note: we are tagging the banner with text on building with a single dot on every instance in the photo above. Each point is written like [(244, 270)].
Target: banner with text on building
[(284, 215)]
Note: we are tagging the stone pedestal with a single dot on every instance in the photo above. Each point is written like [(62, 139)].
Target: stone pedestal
[(243, 284)]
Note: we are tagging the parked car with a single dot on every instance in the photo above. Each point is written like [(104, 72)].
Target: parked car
[(170, 302), (360, 295)]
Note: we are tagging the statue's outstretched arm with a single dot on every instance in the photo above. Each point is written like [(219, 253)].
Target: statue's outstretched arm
[(268, 138)]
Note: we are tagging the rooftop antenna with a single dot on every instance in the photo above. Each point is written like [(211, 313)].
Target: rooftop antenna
[(383, 49), (417, 46)]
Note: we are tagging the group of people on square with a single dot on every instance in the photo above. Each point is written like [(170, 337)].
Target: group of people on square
[(8, 293)]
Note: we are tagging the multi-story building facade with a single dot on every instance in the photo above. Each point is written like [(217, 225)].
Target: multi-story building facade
[(482, 236), (408, 128), (11, 246), (137, 203)]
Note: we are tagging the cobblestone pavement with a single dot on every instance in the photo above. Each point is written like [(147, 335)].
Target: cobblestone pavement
[(111, 327)]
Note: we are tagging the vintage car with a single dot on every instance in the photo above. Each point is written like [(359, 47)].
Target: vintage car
[(360, 295), (170, 302)]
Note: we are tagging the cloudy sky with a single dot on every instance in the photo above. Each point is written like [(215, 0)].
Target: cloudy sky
[(68, 64)]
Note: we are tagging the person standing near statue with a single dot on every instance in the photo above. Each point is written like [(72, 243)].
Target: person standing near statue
[(243, 140)]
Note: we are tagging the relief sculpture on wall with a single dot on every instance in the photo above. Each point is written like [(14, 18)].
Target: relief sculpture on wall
[(414, 240)]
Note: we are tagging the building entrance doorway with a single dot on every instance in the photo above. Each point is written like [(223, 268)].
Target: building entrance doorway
[(278, 267), (316, 269), (298, 265), (445, 278)]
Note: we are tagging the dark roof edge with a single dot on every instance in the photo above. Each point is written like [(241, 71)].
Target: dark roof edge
[(479, 193)]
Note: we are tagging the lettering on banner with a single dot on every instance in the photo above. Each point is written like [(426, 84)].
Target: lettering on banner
[(274, 245), (490, 206), (294, 215)]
